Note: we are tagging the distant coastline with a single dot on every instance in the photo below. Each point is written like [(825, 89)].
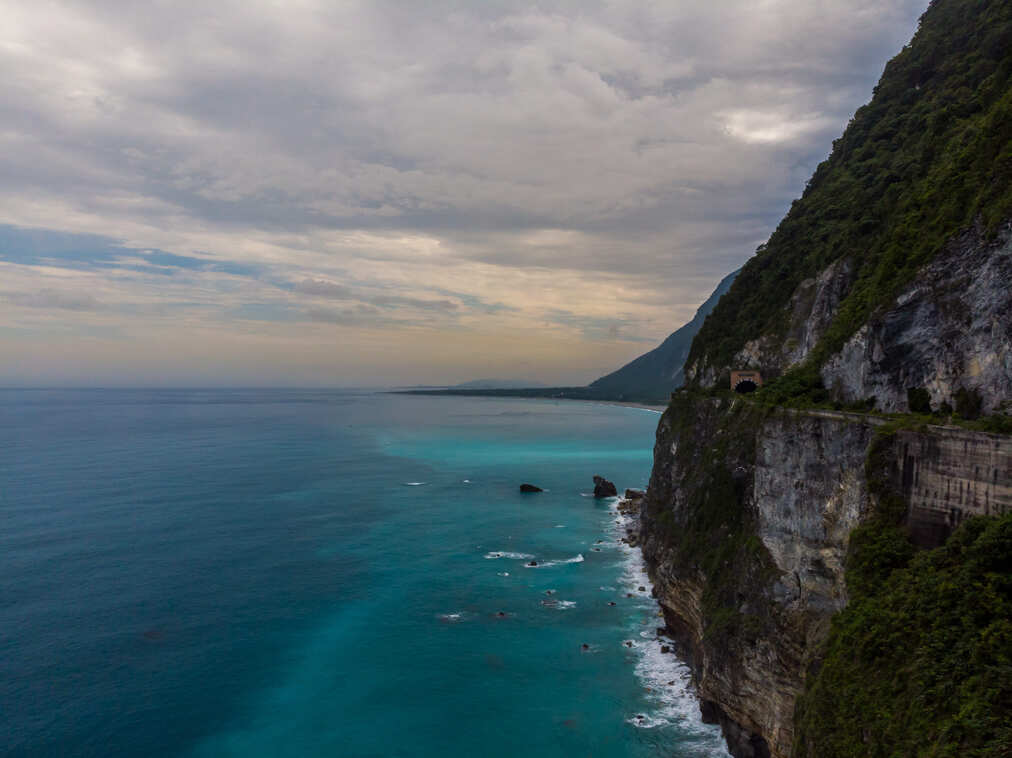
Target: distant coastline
[(648, 402)]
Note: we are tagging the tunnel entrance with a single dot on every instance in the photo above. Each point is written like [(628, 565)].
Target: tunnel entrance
[(744, 382)]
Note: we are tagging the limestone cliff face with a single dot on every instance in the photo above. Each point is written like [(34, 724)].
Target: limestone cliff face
[(811, 310), (746, 524), (810, 492), (951, 329), (947, 474)]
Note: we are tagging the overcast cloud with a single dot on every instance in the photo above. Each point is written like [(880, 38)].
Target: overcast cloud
[(383, 192)]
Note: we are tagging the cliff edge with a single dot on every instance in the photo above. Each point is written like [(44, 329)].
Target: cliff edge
[(834, 552)]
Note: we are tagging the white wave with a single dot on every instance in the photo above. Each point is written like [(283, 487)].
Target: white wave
[(560, 526), (667, 681), (415, 484), (451, 618), (466, 481), (548, 564), (564, 604), (506, 554), (503, 573)]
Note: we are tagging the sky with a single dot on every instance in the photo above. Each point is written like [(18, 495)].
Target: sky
[(384, 193)]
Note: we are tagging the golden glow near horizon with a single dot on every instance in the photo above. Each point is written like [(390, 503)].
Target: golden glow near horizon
[(389, 193)]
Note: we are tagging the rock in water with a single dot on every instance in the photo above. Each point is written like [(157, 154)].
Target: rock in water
[(604, 488), (530, 488)]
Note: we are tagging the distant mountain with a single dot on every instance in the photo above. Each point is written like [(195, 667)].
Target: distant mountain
[(659, 372), (498, 384)]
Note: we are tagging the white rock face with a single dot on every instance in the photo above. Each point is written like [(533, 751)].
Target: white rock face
[(810, 491), (950, 330), (813, 306)]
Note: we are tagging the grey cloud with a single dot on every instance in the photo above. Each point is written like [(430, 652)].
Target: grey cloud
[(655, 142), (595, 328), (51, 298), (355, 316), (323, 288), (467, 117)]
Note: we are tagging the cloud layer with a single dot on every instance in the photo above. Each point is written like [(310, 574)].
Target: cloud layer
[(358, 192)]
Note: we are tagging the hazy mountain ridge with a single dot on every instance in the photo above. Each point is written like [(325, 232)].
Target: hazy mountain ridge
[(650, 378), (660, 371)]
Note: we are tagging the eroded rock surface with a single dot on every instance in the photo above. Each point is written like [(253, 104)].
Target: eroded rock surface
[(774, 495)]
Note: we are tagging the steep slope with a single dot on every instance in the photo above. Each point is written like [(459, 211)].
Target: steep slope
[(657, 373), (922, 173), (838, 580)]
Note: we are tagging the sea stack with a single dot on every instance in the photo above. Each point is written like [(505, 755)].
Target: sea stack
[(604, 488), (530, 488)]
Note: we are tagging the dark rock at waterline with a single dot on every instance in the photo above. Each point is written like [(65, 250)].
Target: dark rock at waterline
[(530, 488), (604, 488), (665, 648), (634, 494)]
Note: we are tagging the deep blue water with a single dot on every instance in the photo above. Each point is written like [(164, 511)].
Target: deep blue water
[(250, 573)]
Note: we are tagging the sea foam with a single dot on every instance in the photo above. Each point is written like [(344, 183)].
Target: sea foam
[(548, 564), (668, 681)]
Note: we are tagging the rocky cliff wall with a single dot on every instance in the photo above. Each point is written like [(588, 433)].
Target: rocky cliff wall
[(948, 474), (950, 330), (746, 524)]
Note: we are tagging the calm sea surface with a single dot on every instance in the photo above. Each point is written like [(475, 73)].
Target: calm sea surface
[(310, 573)]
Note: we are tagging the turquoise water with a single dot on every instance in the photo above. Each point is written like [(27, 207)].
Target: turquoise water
[(293, 573)]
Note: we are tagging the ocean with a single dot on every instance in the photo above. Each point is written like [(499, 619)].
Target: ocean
[(327, 573)]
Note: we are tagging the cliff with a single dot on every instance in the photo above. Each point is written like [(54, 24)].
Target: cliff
[(841, 582), (948, 332), (892, 271), (747, 524)]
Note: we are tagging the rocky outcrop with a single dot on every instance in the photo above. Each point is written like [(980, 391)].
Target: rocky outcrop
[(604, 488), (812, 308), (530, 488), (950, 330), (746, 526)]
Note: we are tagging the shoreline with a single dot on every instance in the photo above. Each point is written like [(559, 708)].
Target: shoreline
[(584, 394), (660, 667), (628, 404)]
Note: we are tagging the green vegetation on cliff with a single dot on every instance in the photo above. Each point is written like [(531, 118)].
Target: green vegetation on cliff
[(928, 157), (715, 532), (919, 663)]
